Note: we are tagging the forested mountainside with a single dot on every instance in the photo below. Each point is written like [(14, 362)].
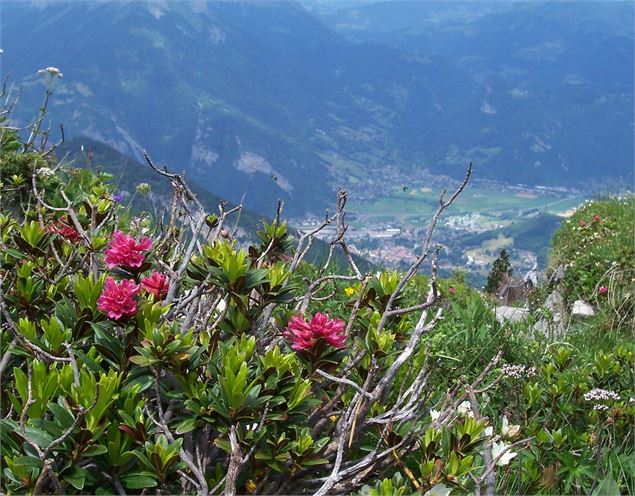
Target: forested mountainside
[(275, 99)]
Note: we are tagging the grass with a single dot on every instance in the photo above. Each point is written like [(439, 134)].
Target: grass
[(596, 247)]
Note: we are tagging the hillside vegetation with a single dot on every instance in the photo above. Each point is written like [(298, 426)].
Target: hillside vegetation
[(146, 353)]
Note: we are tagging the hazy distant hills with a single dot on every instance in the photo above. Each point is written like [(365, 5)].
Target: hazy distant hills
[(556, 78), (281, 101)]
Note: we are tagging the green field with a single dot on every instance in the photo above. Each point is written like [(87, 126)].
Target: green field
[(412, 206)]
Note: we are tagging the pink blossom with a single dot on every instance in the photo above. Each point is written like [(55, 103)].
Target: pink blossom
[(451, 290), (603, 290), (305, 334), (157, 284), (597, 218), (124, 251), (117, 300)]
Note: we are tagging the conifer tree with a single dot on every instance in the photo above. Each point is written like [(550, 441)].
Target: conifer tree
[(500, 268)]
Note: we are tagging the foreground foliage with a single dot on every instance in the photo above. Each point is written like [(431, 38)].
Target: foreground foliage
[(155, 355)]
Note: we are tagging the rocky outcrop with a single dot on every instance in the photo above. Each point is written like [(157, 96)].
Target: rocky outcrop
[(555, 323), (582, 309), (511, 314)]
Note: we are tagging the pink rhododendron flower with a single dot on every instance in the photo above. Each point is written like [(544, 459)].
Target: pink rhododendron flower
[(603, 290), (117, 300), (597, 218), (124, 251), (157, 284), (305, 334)]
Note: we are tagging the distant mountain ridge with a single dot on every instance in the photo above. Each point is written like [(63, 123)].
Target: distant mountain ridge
[(270, 99)]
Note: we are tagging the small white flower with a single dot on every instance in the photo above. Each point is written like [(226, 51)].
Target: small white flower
[(509, 431), (434, 415), (598, 394), (143, 188), (45, 172), (497, 449), (54, 72), (465, 409), (51, 71), (220, 308), (518, 371), (489, 431)]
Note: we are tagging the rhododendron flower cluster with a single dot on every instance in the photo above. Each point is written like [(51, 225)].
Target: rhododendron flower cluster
[(157, 284), (305, 334), (65, 231), (125, 251), (117, 300)]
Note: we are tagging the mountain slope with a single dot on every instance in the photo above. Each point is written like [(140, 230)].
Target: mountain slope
[(557, 78), (128, 173), (263, 98)]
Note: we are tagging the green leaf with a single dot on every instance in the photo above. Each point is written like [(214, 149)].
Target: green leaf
[(40, 437), (188, 425), (27, 461), (439, 490), (607, 487), (62, 415), (95, 450), (143, 361), (77, 478), (138, 480)]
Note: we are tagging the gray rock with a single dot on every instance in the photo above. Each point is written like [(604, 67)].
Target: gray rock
[(542, 326), (555, 304), (558, 275), (511, 314), (582, 309)]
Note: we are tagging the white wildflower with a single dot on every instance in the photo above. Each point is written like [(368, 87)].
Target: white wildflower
[(489, 431), (598, 394), (220, 308), (45, 172), (508, 431), (434, 415), (54, 72), (518, 371), (465, 409), (51, 71), (497, 449), (143, 188)]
